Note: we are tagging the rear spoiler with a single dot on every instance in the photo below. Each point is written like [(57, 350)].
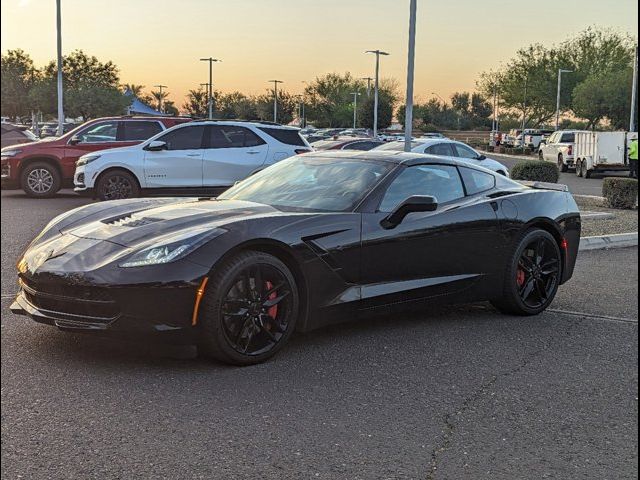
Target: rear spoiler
[(558, 187)]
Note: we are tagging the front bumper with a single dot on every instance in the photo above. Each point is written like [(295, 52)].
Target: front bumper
[(123, 311)]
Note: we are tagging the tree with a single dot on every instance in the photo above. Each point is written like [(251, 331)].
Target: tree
[(286, 107), (236, 105), (159, 97), (197, 103), (169, 107), (603, 96), (91, 88), (388, 99), (18, 77), (135, 89), (329, 100)]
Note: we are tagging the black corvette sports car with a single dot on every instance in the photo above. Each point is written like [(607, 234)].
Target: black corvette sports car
[(299, 245)]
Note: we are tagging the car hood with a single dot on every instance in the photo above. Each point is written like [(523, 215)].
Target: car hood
[(141, 225)]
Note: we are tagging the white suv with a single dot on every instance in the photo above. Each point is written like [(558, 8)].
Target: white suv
[(207, 156), (559, 148)]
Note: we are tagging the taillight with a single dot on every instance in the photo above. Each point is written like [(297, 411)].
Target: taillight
[(300, 151)]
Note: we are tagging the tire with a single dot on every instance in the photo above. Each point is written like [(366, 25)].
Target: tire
[(257, 332), (541, 156), (579, 168), (517, 281), (117, 185), (40, 180), (561, 165), (587, 173)]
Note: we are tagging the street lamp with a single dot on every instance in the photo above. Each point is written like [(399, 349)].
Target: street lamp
[(59, 47), (210, 93), (408, 128), (634, 94), (560, 72), (369, 80), (355, 109), (275, 99), (160, 96), (377, 53)]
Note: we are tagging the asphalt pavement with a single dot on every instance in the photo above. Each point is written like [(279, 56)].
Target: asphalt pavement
[(577, 185), (455, 393)]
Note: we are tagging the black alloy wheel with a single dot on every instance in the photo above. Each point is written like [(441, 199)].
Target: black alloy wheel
[(533, 275), (250, 309), (117, 185)]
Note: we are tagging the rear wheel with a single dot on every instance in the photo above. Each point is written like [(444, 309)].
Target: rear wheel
[(40, 180), (532, 276), (117, 185), (580, 168), (249, 310), (561, 165)]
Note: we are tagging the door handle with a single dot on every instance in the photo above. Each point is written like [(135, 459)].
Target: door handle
[(193, 154), (253, 152)]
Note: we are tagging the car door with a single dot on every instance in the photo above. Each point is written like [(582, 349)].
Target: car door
[(232, 154), (429, 254), (179, 165)]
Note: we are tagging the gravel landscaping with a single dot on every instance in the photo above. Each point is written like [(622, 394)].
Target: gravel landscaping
[(625, 221)]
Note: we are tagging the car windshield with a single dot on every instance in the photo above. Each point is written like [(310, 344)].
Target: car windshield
[(311, 183)]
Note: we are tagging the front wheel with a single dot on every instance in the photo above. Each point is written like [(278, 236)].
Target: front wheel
[(40, 180), (249, 310), (532, 276), (117, 185)]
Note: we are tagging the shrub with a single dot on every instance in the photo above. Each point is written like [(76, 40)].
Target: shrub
[(621, 192), (536, 171), (491, 149), (502, 150)]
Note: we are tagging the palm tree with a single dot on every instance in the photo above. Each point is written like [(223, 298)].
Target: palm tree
[(133, 88), (159, 97)]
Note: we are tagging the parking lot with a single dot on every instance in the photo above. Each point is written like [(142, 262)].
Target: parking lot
[(447, 394)]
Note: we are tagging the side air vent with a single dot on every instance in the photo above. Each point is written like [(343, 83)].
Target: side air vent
[(129, 221)]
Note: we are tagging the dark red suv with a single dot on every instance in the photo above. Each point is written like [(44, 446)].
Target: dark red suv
[(42, 168)]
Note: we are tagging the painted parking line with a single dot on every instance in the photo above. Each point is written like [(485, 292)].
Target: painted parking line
[(593, 316)]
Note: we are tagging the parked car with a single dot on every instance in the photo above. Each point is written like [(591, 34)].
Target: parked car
[(15, 135), (354, 132), (50, 129), (533, 138), (347, 143), (559, 148), (598, 152), (444, 147), (207, 156), (304, 243), (41, 168)]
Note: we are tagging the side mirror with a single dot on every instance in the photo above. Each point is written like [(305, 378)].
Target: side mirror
[(156, 146), (414, 204), (482, 157), (75, 140)]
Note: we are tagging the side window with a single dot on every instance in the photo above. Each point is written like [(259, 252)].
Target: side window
[(102, 132), (185, 138), (233, 137), (440, 181), (440, 149), (477, 181), (568, 138), (140, 130), (465, 152), (553, 139)]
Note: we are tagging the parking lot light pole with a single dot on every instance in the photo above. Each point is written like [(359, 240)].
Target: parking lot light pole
[(408, 124), (634, 94), (560, 72), (275, 99), (355, 109), (377, 90), (524, 108), (369, 80), (160, 87), (210, 93), (59, 47)]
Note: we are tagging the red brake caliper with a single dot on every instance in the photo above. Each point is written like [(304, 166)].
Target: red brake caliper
[(521, 277), (273, 311)]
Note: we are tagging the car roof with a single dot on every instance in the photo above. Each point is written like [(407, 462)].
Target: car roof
[(398, 158), (256, 123)]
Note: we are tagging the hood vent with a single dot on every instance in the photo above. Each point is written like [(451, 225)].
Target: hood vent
[(129, 221)]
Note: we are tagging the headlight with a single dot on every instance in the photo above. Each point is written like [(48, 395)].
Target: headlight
[(10, 153), (86, 159), (172, 248)]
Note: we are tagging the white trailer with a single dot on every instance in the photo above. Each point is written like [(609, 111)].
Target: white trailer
[(597, 152)]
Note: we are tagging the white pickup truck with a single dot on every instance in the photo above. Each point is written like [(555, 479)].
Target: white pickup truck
[(597, 152), (559, 149)]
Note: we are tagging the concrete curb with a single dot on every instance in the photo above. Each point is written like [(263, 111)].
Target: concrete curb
[(597, 216), (608, 242)]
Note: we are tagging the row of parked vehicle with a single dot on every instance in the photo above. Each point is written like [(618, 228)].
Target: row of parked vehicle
[(122, 157)]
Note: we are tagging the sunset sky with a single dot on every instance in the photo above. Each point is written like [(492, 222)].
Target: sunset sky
[(160, 41)]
